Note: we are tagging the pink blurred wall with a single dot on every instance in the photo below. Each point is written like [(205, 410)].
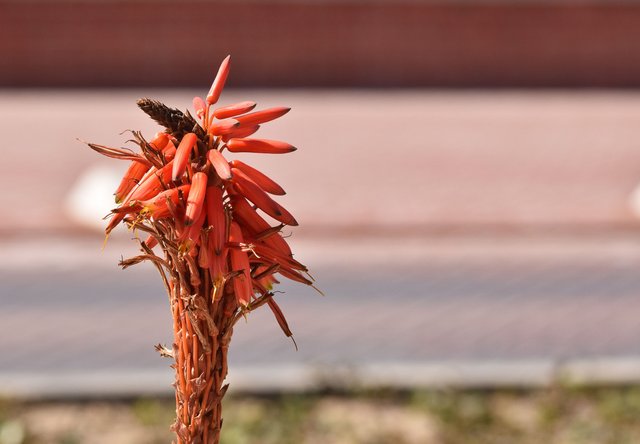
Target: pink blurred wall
[(320, 42)]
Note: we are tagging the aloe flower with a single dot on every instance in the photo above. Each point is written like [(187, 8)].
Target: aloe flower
[(213, 232)]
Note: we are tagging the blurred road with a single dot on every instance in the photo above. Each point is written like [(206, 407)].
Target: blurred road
[(465, 238), (500, 311)]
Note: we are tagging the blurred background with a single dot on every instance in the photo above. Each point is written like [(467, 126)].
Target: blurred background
[(466, 189)]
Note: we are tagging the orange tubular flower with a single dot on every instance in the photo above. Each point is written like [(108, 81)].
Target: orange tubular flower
[(266, 115), (244, 213), (216, 217), (217, 254), (199, 106), (195, 230), (260, 179), (220, 164), (162, 204), (242, 131), (152, 184), (160, 141), (131, 178), (257, 195), (234, 110), (259, 146), (223, 127), (195, 200), (169, 152), (182, 155), (240, 263), (218, 82), (151, 241)]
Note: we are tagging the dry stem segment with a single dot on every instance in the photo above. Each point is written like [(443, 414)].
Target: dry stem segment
[(202, 330), (118, 153), (201, 350)]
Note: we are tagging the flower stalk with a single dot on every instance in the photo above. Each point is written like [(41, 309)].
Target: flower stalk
[(212, 231)]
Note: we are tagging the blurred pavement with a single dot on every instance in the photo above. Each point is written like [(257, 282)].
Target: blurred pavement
[(462, 238), (367, 160)]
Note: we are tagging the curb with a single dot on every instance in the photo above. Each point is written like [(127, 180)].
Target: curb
[(528, 374)]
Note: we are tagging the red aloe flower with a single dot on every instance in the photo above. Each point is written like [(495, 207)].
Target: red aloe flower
[(218, 256)]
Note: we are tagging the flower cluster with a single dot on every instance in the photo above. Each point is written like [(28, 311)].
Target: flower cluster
[(183, 181), (209, 236)]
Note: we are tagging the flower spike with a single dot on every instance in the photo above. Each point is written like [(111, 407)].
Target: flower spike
[(203, 216)]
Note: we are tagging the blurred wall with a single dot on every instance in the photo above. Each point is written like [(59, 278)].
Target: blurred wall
[(401, 43)]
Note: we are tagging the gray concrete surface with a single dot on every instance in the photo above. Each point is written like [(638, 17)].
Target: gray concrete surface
[(462, 238), (523, 312)]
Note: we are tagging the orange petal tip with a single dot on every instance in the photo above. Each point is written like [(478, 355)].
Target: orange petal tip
[(219, 81)]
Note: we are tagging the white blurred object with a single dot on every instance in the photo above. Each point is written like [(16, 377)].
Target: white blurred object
[(634, 201), (91, 197)]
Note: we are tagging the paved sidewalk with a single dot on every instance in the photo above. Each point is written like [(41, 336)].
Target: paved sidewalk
[(393, 160), (459, 312)]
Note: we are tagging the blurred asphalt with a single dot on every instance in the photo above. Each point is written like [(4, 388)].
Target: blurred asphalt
[(462, 238)]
